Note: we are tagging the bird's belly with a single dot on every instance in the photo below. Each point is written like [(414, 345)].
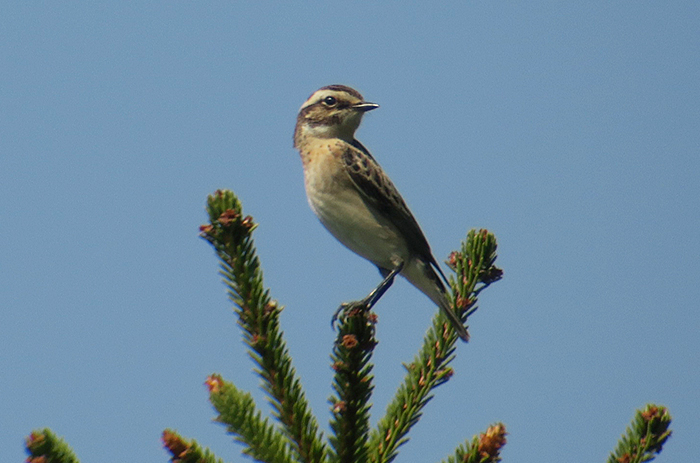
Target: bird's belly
[(351, 221)]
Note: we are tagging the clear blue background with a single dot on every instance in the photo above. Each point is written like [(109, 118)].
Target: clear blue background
[(570, 129)]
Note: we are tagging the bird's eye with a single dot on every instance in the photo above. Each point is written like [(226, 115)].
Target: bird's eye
[(329, 101)]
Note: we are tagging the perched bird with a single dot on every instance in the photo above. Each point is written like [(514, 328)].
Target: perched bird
[(355, 200)]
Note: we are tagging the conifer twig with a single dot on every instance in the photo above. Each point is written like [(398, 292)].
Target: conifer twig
[(352, 384), (645, 436), (186, 451), (44, 446), (298, 438), (484, 448), (238, 411), (230, 233), (474, 265)]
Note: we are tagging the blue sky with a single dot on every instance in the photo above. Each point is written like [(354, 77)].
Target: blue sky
[(569, 129)]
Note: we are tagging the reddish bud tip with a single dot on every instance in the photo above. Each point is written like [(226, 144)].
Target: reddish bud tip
[(453, 258), (214, 383), (339, 407), (175, 444), (651, 413), (491, 442), (337, 366), (228, 216), (350, 341)]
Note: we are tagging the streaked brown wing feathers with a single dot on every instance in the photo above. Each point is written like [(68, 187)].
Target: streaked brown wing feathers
[(378, 191)]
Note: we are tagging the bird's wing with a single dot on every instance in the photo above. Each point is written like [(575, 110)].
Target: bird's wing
[(381, 194)]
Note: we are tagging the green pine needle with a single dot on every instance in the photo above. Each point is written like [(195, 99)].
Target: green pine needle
[(484, 448), (352, 384), (474, 267), (298, 440), (230, 233), (237, 410), (44, 446), (645, 436), (186, 451)]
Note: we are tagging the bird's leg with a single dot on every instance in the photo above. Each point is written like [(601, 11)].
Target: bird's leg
[(368, 302), (379, 291)]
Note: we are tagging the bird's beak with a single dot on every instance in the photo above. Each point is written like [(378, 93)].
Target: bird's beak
[(365, 106)]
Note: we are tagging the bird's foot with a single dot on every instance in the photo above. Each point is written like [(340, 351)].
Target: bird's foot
[(347, 307)]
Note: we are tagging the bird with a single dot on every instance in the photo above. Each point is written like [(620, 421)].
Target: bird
[(357, 202)]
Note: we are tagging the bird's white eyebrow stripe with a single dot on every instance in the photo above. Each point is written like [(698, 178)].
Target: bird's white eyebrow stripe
[(342, 88)]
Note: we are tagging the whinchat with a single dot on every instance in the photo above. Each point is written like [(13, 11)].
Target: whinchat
[(356, 201)]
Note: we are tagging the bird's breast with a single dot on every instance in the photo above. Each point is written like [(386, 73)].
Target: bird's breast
[(347, 215)]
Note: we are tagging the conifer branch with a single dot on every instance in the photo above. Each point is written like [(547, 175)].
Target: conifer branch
[(484, 448), (352, 384), (186, 451), (230, 233), (44, 446), (238, 412), (474, 265), (298, 439), (645, 436)]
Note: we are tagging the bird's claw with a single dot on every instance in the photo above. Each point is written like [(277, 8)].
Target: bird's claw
[(345, 307)]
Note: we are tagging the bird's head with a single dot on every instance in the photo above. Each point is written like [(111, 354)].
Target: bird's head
[(334, 111)]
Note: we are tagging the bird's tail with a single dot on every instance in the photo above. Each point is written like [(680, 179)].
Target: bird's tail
[(458, 324), (423, 276)]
